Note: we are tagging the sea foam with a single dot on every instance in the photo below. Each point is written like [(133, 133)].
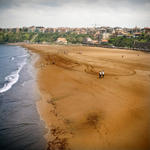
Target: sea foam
[(11, 79)]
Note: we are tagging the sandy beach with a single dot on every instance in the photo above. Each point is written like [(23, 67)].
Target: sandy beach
[(83, 112)]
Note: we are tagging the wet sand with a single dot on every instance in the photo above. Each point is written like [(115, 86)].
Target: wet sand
[(83, 112)]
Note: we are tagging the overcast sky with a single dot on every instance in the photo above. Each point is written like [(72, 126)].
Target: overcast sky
[(74, 13)]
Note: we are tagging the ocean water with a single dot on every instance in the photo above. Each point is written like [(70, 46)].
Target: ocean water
[(20, 124)]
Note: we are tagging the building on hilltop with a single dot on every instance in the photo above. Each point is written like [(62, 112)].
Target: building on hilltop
[(31, 29), (146, 30), (61, 41), (87, 40), (137, 34), (106, 36), (103, 42)]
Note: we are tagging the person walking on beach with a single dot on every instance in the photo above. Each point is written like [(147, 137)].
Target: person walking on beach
[(103, 74), (100, 74)]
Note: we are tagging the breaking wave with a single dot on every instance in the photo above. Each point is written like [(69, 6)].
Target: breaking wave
[(11, 79), (26, 55)]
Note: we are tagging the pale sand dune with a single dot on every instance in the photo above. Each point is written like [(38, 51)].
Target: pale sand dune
[(84, 112)]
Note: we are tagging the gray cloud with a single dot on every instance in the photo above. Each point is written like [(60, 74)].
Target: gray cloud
[(74, 12), (57, 3)]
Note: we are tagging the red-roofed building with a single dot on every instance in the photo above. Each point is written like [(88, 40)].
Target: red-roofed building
[(136, 34), (104, 41), (147, 30)]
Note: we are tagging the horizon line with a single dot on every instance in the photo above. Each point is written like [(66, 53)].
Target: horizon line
[(96, 26)]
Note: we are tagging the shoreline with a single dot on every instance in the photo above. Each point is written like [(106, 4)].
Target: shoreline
[(73, 108), (34, 59)]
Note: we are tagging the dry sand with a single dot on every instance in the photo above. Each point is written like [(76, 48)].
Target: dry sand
[(83, 112)]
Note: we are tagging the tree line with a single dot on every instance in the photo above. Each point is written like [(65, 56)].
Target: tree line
[(12, 37), (141, 41), (129, 42)]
